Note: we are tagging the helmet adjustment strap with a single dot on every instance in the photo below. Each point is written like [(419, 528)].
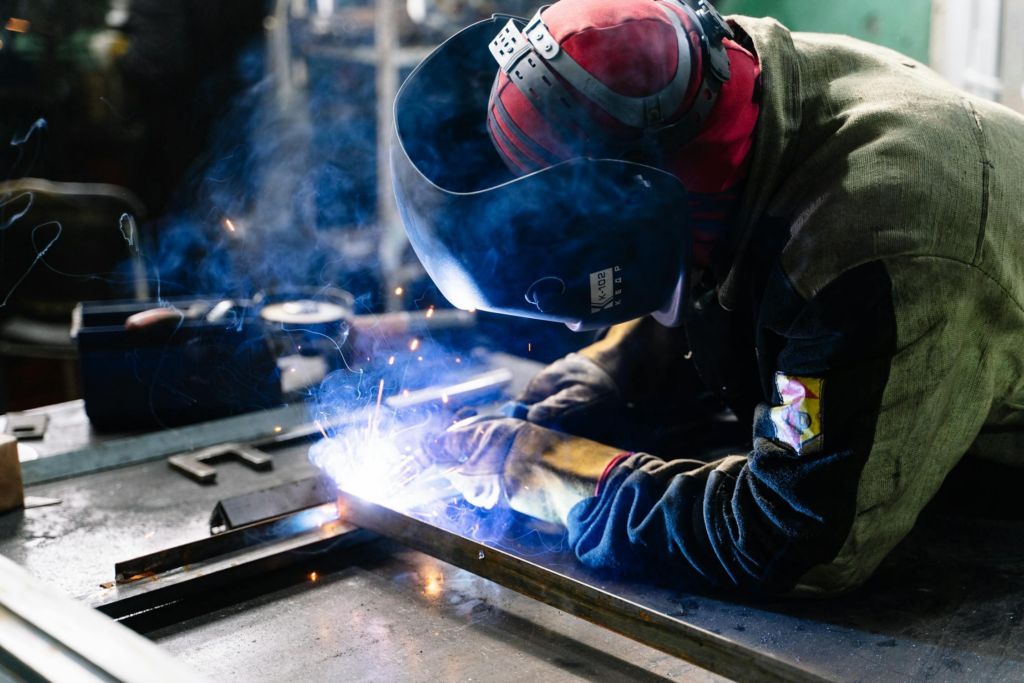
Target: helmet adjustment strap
[(534, 61)]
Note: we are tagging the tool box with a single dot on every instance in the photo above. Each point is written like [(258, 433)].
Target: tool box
[(171, 374)]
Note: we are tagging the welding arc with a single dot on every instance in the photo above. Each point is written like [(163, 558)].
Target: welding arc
[(655, 629)]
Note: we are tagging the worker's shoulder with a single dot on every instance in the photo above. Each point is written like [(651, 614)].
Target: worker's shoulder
[(891, 162)]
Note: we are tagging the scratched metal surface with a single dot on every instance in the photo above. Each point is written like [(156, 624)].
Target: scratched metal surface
[(391, 614), (119, 514), (134, 510), (945, 606)]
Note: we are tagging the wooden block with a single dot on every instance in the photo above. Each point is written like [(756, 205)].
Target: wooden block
[(12, 495)]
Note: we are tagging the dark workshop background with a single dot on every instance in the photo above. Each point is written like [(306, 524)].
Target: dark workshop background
[(225, 147)]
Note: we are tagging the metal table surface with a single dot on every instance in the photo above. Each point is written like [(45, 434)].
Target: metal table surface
[(115, 515), (947, 604), (378, 612), (390, 614)]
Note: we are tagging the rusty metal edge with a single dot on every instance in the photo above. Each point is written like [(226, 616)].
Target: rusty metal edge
[(652, 628)]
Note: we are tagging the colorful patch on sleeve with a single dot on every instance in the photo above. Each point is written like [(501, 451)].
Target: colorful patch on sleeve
[(798, 419)]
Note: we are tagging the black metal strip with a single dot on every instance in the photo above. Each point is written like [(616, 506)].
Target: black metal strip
[(194, 579), (216, 546)]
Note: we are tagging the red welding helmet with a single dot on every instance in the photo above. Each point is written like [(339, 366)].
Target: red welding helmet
[(593, 234)]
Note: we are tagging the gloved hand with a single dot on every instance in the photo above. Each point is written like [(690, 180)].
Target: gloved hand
[(533, 470), (574, 395)]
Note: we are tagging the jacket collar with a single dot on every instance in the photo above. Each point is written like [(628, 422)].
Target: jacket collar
[(775, 145)]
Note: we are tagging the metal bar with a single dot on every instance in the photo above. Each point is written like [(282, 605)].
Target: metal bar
[(199, 577), (655, 629), (48, 637), (247, 509), (275, 427), (479, 386), (196, 464), (219, 545)]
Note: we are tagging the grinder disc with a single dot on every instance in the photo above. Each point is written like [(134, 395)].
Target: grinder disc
[(304, 312)]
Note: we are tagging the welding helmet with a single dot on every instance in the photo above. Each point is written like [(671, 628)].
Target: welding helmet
[(593, 241)]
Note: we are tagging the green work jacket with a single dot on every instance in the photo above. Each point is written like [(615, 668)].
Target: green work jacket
[(865, 314)]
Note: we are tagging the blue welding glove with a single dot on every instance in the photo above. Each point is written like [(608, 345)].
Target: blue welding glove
[(574, 395), (535, 471)]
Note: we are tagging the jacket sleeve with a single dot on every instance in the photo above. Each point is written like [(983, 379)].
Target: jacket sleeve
[(873, 391)]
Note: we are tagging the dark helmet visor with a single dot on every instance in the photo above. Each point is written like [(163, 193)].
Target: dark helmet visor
[(587, 242)]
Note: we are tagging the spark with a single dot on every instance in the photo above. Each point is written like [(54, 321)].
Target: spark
[(391, 361), (277, 430), (321, 428), (458, 360), (444, 398), (300, 348), (433, 585), (367, 462), (472, 310), (529, 347), (405, 392), (375, 417), (398, 291), (17, 25), (229, 224), (430, 311), (312, 577), (150, 534), (419, 358), (292, 370), (414, 344)]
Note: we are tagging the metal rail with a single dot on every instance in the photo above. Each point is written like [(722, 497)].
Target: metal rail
[(655, 629), (217, 546), (176, 581), (48, 637)]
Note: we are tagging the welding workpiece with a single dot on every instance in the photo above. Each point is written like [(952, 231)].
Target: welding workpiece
[(510, 409), (197, 465), (475, 389)]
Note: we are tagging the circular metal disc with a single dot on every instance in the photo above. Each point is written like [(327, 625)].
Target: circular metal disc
[(304, 312)]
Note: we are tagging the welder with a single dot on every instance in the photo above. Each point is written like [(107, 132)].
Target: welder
[(828, 232)]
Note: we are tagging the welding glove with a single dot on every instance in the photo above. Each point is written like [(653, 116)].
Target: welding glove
[(574, 395), (535, 471)]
